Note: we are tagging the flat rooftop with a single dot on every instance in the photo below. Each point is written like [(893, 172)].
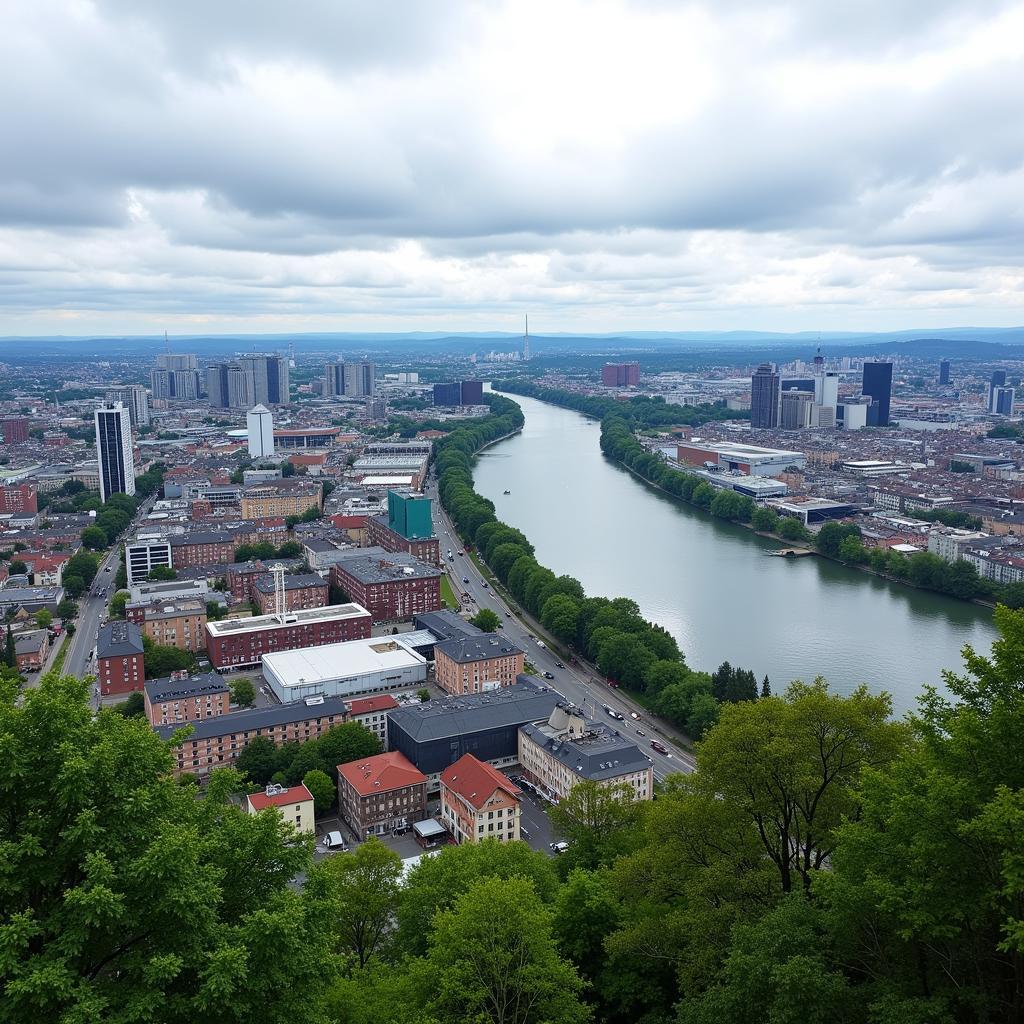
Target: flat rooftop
[(330, 662), (387, 569), (742, 452), (303, 617)]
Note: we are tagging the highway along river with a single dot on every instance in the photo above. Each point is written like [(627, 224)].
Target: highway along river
[(713, 585)]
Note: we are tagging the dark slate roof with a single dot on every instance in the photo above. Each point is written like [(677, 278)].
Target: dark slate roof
[(118, 640), (445, 624), (256, 718), (25, 643), (200, 537), (603, 753), (265, 584), (388, 568), (526, 701), (160, 690), (466, 649)]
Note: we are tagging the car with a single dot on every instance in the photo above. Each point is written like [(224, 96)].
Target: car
[(634, 716), (640, 732), (107, 569), (558, 664), (462, 552), (333, 841), (612, 713), (483, 583), (523, 834), (465, 579), (559, 847), (549, 675), (659, 747)]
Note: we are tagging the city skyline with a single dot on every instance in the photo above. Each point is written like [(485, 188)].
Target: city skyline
[(625, 166)]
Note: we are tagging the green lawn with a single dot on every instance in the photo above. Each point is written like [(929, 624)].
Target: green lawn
[(447, 594)]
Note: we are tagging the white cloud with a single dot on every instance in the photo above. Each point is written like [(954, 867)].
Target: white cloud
[(605, 165)]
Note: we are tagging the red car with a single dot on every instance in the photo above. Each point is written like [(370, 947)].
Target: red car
[(659, 747)]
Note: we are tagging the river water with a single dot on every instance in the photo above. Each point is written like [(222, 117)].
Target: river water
[(713, 585)]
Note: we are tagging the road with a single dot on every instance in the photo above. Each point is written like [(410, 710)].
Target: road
[(570, 681), (92, 608)]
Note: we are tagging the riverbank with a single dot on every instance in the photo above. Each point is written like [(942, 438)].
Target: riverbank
[(922, 571)]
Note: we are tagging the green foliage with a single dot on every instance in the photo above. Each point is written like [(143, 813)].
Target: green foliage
[(133, 707), (162, 572), (44, 618), (243, 693), (599, 822), (493, 957), (423, 694), (956, 466), (130, 899), (264, 551), (83, 564), (161, 660), (322, 789), (118, 603), (94, 538), (18, 568), (486, 620)]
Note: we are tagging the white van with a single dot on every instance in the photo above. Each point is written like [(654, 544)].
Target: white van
[(333, 841)]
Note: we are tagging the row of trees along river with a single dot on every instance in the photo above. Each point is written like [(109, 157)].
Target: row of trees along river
[(710, 582)]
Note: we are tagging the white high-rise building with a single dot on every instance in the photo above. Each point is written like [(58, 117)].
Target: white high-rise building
[(260, 423), (114, 450)]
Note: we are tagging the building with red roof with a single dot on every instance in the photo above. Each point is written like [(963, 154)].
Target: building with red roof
[(380, 794), (295, 805), (478, 802), (372, 713)]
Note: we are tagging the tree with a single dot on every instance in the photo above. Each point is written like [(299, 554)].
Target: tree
[(704, 710), (97, 899), (493, 957), (560, 615), (486, 620), (436, 882), (258, 761), (10, 657), (243, 693), (598, 821), (162, 572), (790, 766), (161, 660), (83, 564), (355, 896), (423, 694), (94, 538), (18, 568), (766, 687), (118, 603), (344, 743), (322, 790), (792, 529), (74, 586), (44, 618), (133, 707)]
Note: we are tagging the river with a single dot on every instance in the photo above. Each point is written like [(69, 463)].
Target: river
[(712, 584)]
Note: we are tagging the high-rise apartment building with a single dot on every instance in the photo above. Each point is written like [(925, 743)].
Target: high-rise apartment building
[(136, 398), (15, 429), (114, 450), (1003, 401), (260, 424), (334, 378), (795, 411), (229, 386), (176, 361), (620, 375), (764, 397), (181, 384), (998, 381), (877, 385), (267, 378), (354, 380), (943, 373)]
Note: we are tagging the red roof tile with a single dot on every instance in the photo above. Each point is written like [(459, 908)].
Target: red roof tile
[(475, 780), (294, 795), (367, 705), (381, 773)]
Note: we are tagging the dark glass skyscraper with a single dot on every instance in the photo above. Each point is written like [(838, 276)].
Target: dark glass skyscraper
[(877, 385), (764, 397), (943, 373)]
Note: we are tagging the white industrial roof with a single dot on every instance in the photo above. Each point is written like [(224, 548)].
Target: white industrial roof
[(321, 665)]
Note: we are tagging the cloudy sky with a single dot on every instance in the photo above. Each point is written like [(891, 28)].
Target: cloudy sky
[(204, 165)]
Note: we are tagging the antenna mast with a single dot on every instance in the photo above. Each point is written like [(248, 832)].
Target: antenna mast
[(279, 603), (526, 340)]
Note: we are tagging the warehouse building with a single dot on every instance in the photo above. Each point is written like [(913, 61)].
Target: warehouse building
[(373, 665), (749, 459), (437, 733)]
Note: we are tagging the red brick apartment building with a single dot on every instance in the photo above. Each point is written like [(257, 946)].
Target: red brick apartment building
[(181, 698), (237, 643), (216, 742), (478, 802), (392, 588), (15, 429), (379, 534), (381, 793), (18, 498), (201, 548), (303, 590), (119, 658), (372, 713)]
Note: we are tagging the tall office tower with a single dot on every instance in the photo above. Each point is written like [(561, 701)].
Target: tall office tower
[(998, 381), (15, 429), (943, 373), (185, 384), (239, 387), (448, 394), (167, 361), (260, 424), (216, 385), (135, 397), (267, 377), (819, 364), (114, 449), (826, 389), (877, 384), (367, 378), (1003, 401), (764, 397), (334, 378), (472, 392), (796, 410), (161, 383)]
